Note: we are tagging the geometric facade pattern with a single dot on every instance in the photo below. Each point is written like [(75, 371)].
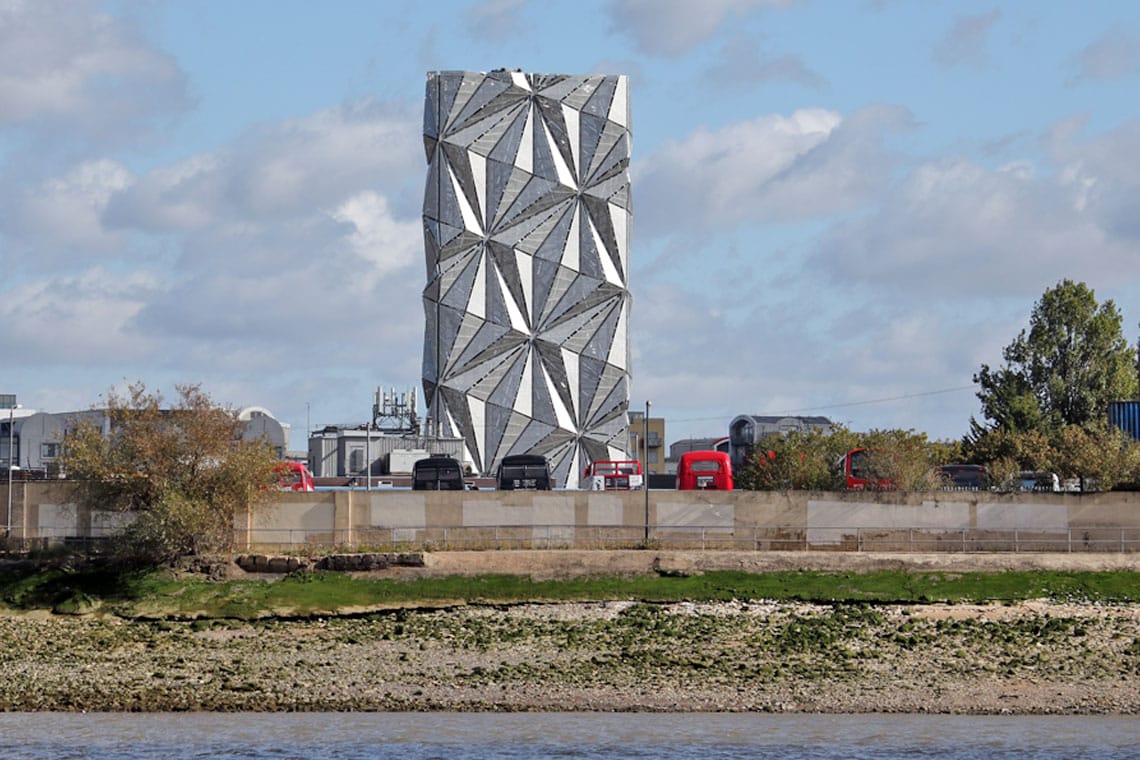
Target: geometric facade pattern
[(526, 237)]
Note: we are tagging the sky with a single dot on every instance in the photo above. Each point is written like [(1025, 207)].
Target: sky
[(840, 208)]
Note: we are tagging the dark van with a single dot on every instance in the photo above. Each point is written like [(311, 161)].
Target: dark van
[(437, 474), (524, 472)]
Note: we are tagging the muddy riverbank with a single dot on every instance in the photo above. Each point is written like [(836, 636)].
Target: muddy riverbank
[(1029, 658), (1035, 657)]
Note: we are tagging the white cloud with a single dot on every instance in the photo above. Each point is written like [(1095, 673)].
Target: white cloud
[(934, 275), (83, 319), (966, 42), (278, 171), (773, 168), (805, 349), (671, 27), (1102, 175), (61, 217), (295, 244), (744, 62), (960, 230), (495, 19), (1114, 55), (184, 196), (384, 243), (66, 66)]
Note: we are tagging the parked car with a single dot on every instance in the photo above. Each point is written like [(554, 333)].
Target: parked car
[(1037, 480), (962, 477)]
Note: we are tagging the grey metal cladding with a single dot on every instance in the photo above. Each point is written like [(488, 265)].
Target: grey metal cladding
[(527, 220)]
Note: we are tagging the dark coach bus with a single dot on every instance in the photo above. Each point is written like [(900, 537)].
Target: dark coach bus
[(437, 474), (524, 472)]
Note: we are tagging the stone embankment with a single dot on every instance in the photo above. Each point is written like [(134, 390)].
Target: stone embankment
[(359, 562)]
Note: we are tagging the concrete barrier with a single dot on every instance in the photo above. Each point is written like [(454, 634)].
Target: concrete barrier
[(395, 521)]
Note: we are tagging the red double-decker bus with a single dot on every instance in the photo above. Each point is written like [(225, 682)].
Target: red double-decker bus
[(704, 470), (294, 476), (859, 471), (613, 475)]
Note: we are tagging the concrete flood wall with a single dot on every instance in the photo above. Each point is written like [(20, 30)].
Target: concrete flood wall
[(760, 520)]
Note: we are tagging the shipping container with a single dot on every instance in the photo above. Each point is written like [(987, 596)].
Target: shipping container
[(1126, 416)]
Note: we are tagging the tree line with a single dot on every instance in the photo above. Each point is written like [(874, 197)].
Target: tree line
[(1044, 409)]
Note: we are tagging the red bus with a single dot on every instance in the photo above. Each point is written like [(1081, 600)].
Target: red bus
[(704, 470), (857, 467), (294, 476), (614, 475)]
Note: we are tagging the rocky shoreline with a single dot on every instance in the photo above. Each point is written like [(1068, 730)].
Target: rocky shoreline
[(1028, 658)]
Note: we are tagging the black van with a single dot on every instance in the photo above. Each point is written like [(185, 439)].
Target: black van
[(524, 472), (437, 474)]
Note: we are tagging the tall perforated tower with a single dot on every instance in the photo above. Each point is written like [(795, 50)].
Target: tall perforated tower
[(526, 235)]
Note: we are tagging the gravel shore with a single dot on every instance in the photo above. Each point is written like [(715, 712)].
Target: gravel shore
[(1029, 658)]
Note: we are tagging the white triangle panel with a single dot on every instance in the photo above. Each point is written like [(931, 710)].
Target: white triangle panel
[(611, 273), (565, 176), (561, 413), (470, 221)]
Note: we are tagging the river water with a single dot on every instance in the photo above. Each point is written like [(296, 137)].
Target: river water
[(483, 736)]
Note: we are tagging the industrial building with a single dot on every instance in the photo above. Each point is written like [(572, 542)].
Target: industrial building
[(747, 430), (33, 441), (647, 442), (388, 444)]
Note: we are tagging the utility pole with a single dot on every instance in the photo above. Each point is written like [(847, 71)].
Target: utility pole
[(9, 400)]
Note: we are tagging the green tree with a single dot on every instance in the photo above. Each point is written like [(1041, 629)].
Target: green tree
[(799, 459), (182, 473), (1101, 455), (1064, 370), (805, 460), (903, 457)]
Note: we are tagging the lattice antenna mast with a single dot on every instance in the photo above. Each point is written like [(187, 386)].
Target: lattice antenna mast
[(394, 412)]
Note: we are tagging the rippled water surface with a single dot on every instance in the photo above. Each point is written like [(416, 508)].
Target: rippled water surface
[(482, 736)]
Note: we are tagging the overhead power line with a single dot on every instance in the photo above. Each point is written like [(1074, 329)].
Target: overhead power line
[(880, 400), (867, 402)]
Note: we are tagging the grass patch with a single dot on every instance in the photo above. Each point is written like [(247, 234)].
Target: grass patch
[(154, 594)]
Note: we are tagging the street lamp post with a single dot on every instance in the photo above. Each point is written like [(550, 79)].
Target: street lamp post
[(368, 456), (645, 469), (9, 400)]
